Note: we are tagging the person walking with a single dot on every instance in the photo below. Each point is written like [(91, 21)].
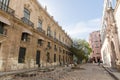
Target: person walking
[(98, 61)]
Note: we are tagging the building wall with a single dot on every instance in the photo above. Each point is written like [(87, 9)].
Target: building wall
[(37, 12), (105, 53), (110, 41), (117, 17), (14, 27), (95, 43)]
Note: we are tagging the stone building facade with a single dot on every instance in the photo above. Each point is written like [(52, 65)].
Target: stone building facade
[(110, 35), (95, 44), (30, 37)]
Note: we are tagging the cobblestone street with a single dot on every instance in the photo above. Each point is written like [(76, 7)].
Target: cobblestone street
[(89, 72), (86, 72)]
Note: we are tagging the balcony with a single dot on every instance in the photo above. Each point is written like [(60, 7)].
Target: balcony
[(39, 45), (25, 41), (40, 30), (27, 21), (49, 35), (56, 39), (48, 47), (60, 42), (5, 8)]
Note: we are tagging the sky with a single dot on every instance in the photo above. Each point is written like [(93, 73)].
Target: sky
[(77, 17)]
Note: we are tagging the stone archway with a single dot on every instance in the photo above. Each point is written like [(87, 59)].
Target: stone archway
[(113, 55)]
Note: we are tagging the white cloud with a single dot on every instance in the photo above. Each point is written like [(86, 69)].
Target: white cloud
[(52, 8), (80, 29), (46, 3), (83, 28)]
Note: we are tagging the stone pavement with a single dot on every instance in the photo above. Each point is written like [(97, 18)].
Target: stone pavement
[(113, 72), (86, 72), (89, 72), (17, 71)]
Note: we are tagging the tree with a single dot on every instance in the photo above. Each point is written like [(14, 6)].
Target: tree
[(81, 50)]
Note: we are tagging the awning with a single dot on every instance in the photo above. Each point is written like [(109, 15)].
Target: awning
[(41, 38), (5, 20), (27, 31)]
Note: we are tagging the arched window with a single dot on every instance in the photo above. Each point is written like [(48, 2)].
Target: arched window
[(54, 34), (25, 37), (40, 42), (38, 57), (55, 48), (59, 58), (54, 57), (48, 31), (26, 13), (63, 39), (59, 37), (40, 23), (21, 57)]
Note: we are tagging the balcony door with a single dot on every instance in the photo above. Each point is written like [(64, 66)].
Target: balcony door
[(38, 58), (4, 4), (21, 57), (26, 13)]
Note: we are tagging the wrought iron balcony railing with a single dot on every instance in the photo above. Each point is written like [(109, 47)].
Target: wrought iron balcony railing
[(40, 30), (56, 39), (26, 40), (39, 45), (27, 21), (6, 9), (49, 47), (49, 35)]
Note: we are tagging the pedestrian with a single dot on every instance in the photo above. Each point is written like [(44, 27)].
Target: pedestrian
[(98, 61)]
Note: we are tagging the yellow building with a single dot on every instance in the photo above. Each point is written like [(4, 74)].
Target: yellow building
[(30, 37)]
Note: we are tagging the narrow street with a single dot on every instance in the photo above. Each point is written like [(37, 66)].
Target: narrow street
[(45, 39), (89, 72), (85, 72)]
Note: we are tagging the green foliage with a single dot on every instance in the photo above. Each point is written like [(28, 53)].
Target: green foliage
[(81, 49)]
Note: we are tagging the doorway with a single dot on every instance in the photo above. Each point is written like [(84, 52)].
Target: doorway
[(21, 57), (38, 58)]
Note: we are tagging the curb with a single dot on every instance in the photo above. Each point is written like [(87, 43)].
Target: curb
[(116, 78), (17, 72)]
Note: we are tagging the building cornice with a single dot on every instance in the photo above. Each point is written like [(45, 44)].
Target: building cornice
[(50, 17)]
